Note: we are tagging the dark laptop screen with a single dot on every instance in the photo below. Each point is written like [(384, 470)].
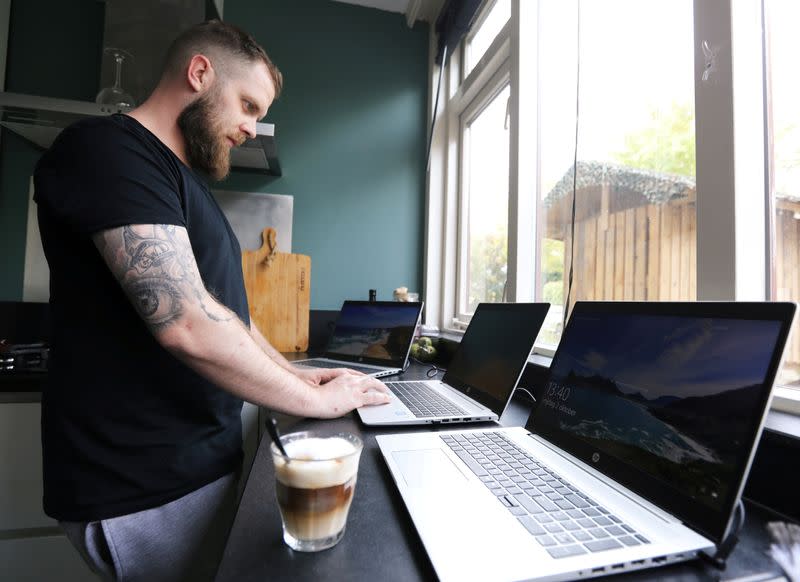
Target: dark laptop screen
[(673, 399), (494, 350), (375, 332)]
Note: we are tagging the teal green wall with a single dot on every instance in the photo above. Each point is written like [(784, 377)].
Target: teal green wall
[(351, 133), (350, 126)]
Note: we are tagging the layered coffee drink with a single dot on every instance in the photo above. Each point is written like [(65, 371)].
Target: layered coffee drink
[(315, 487)]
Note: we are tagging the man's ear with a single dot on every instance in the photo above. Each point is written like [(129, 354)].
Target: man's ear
[(200, 73)]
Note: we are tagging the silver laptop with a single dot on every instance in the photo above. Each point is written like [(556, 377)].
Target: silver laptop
[(635, 456), (482, 374), (373, 337)]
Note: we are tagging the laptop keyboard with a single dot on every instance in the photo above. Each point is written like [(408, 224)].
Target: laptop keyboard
[(331, 365), (561, 518), (422, 401)]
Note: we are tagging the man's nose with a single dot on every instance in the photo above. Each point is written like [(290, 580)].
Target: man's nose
[(249, 129)]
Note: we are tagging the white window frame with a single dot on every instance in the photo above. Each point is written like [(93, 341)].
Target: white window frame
[(489, 91), (444, 175), (732, 234), (466, 43)]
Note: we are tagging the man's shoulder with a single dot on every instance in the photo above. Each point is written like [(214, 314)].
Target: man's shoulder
[(105, 141), (111, 128)]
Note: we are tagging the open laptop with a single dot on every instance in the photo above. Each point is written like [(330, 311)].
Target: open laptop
[(635, 456), (481, 377), (373, 337)]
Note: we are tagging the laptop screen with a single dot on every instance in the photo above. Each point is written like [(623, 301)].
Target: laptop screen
[(492, 354), (375, 332), (668, 399)]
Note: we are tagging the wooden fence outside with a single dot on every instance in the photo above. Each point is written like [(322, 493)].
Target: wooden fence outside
[(635, 246), (787, 276), (644, 254)]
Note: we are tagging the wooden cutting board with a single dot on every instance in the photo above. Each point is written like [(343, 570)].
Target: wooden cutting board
[(279, 292)]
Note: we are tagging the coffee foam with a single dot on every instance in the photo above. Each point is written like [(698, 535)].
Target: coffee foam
[(319, 449), (316, 463)]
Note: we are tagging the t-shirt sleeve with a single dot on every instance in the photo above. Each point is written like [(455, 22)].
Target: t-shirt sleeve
[(102, 176)]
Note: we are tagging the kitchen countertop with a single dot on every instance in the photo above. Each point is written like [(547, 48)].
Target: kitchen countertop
[(22, 386), (381, 542)]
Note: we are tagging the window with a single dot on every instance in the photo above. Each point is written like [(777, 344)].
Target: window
[(666, 208), (634, 229), (783, 114), (484, 201), (468, 242), (489, 23)]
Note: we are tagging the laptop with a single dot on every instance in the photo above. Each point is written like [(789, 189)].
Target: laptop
[(635, 456), (482, 374), (373, 337)]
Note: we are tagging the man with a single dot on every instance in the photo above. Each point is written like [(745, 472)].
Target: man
[(153, 351)]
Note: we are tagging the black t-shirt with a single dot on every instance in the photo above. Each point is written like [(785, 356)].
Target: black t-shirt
[(125, 425)]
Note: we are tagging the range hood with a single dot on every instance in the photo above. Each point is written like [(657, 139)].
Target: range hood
[(41, 119)]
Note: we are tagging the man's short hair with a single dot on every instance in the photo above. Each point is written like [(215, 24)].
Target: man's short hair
[(219, 41)]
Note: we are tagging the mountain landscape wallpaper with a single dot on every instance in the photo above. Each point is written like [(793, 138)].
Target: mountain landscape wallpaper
[(374, 331), (674, 397)]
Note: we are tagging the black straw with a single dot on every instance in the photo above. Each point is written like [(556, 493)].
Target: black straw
[(272, 428)]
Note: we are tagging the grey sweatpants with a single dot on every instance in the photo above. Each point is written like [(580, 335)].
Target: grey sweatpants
[(182, 540)]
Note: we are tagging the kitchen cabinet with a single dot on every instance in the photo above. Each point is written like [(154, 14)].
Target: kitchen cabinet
[(21, 460), (43, 558), (32, 547)]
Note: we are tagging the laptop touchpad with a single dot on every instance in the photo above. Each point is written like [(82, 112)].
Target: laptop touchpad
[(427, 467)]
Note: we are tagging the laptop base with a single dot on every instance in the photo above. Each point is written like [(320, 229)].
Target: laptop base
[(458, 519)]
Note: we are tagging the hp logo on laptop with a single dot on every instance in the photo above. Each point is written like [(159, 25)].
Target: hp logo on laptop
[(595, 457)]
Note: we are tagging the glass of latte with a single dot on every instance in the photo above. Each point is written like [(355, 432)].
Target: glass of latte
[(315, 486)]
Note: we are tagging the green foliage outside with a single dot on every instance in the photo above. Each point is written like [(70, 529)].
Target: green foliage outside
[(553, 271), (553, 293), (488, 267), (787, 158), (665, 145)]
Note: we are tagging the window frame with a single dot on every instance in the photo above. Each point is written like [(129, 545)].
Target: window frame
[(444, 176), (466, 44), (488, 92)]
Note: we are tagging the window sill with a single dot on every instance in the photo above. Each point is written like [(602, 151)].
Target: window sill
[(784, 416), (786, 400)]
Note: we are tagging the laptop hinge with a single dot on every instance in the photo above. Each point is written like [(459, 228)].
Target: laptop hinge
[(471, 401)]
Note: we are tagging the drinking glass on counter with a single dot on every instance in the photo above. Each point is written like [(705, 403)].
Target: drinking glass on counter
[(315, 486)]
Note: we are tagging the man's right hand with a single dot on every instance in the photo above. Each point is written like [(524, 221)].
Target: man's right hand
[(348, 392), (317, 376)]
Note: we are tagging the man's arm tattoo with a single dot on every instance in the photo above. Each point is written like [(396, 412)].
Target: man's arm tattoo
[(156, 269)]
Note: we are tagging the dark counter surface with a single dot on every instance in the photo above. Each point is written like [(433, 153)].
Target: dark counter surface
[(381, 543), (22, 382)]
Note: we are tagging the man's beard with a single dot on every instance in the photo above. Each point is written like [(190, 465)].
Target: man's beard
[(202, 132)]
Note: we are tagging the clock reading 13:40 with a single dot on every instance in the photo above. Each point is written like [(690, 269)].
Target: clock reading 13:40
[(555, 390)]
